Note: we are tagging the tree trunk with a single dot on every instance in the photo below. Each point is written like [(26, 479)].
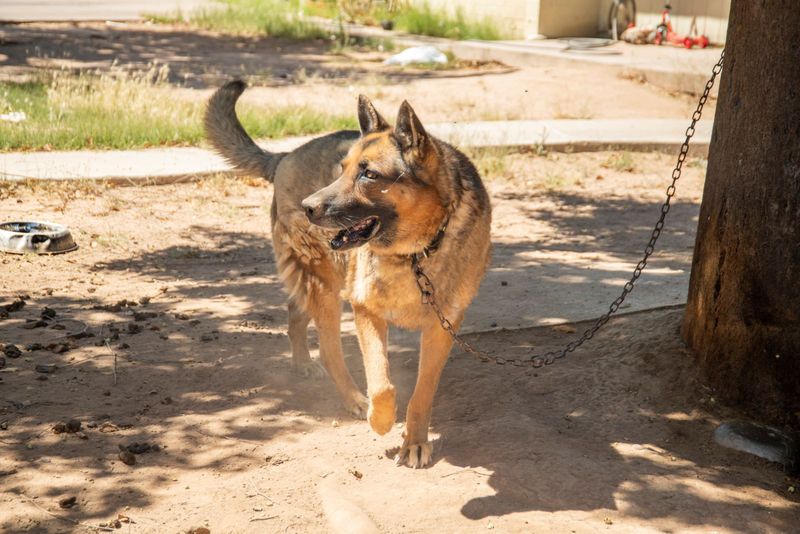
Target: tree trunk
[(743, 313)]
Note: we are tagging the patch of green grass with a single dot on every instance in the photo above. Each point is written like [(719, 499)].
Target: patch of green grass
[(425, 20), (420, 19), (123, 111), (275, 18), (171, 17)]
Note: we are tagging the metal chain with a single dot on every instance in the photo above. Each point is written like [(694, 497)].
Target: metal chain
[(538, 360)]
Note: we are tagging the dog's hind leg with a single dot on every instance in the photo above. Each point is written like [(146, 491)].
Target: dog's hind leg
[(325, 308), (372, 337), (435, 345), (298, 338)]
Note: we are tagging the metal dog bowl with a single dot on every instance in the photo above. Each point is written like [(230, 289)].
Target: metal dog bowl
[(35, 237)]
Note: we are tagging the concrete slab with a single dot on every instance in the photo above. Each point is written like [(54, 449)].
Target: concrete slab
[(172, 164), (68, 10)]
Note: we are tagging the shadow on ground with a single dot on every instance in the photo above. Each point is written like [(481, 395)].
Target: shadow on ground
[(196, 59), (622, 427)]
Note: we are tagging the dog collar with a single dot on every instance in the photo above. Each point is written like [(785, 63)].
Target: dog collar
[(434, 245)]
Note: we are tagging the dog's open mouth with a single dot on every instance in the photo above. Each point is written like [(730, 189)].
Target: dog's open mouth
[(356, 235)]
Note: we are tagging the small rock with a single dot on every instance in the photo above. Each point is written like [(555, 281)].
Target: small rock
[(91, 424), (206, 337), (67, 502), (127, 457), (137, 448), (46, 368), (12, 351), (2, 362), (182, 316), (3, 425), (82, 435), (59, 428), (124, 346), (503, 283), (34, 347), (166, 400), (42, 378), (198, 530), (356, 473), (73, 425), (30, 324), (143, 316), (107, 393), (15, 306), (80, 335), (48, 313), (108, 427), (134, 328), (58, 348), (144, 301)]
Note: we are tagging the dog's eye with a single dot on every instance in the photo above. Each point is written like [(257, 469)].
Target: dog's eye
[(369, 175)]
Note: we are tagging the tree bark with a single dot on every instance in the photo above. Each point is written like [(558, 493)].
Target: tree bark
[(743, 313)]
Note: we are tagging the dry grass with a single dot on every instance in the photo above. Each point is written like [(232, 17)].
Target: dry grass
[(620, 162)]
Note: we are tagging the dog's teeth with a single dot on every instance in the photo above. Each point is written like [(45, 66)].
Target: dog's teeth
[(345, 239)]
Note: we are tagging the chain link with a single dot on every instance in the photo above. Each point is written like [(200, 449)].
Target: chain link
[(428, 292)]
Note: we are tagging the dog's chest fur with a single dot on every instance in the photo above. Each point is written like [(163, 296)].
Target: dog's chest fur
[(386, 286)]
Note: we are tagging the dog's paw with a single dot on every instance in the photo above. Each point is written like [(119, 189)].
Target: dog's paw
[(309, 369), (414, 455), (382, 411), (357, 405)]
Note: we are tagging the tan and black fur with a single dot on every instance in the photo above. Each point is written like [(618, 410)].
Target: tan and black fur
[(376, 196)]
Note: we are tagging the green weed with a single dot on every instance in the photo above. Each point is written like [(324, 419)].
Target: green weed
[(120, 110)]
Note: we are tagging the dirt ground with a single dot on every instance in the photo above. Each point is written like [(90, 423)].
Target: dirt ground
[(617, 437), (181, 280), (289, 72)]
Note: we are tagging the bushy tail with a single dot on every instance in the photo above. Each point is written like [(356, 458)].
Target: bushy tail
[(230, 140)]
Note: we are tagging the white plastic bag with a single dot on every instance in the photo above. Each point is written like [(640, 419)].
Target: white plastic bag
[(417, 54)]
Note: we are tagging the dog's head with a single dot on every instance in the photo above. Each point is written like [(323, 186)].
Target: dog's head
[(386, 193)]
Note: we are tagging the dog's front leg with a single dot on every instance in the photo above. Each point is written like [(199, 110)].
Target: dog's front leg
[(372, 337), (435, 344)]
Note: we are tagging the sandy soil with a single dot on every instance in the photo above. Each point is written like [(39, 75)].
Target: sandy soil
[(203, 60), (617, 437)]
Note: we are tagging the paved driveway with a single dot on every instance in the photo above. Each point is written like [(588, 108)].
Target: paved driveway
[(59, 10)]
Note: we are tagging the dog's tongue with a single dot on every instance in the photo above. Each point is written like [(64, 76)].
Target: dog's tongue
[(354, 236)]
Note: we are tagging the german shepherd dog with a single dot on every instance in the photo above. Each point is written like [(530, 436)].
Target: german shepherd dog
[(349, 211)]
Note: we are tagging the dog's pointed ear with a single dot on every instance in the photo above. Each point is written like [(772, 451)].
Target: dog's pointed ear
[(409, 130), (369, 120)]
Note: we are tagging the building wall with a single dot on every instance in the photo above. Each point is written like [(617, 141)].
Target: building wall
[(568, 18)]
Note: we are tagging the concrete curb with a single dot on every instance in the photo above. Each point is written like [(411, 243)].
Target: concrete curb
[(170, 165)]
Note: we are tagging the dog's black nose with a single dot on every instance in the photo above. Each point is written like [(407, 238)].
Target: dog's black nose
[(313, 210)]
